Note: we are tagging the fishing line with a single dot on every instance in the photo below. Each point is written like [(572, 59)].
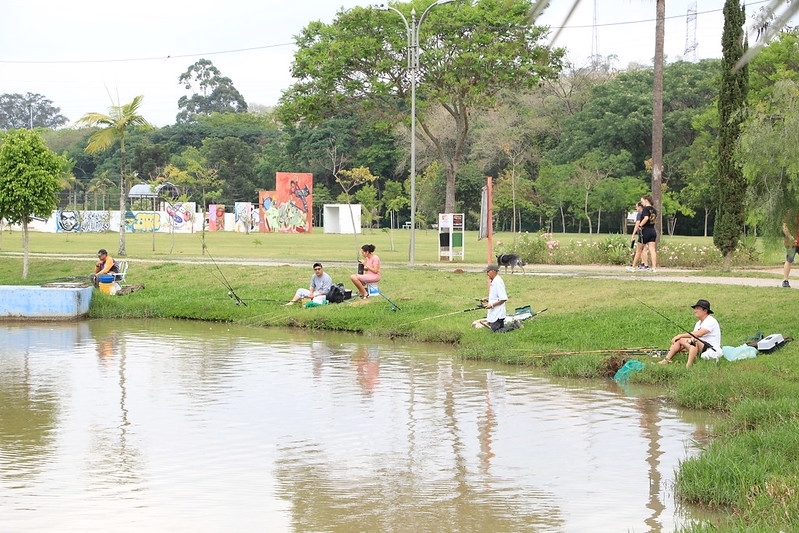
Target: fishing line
[(231, 292), (710, 346)]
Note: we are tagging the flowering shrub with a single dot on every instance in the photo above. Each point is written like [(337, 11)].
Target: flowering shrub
[(544, 248)]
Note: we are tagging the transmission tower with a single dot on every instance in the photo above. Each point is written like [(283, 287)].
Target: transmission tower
[(595, 57), (690, 33)]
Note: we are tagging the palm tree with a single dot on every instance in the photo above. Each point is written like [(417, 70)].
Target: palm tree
[(100, 184), (115, 126)]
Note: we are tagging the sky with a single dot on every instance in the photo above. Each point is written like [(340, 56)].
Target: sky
[(87, 55)]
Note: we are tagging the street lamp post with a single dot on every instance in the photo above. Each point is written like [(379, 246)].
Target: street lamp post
[(412, 30)]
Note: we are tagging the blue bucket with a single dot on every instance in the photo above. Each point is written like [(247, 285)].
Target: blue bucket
[(105, 278)]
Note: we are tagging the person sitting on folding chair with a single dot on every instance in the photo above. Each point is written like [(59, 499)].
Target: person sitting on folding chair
[(105, 265)]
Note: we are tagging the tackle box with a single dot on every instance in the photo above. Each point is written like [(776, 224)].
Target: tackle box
[(770, 343)]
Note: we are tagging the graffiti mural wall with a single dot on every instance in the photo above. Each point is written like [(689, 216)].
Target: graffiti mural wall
[(216, 217), (179, 217), (267, 206), (289, 208)]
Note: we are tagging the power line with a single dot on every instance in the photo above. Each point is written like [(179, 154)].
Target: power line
[(644, 21), (133, 59)]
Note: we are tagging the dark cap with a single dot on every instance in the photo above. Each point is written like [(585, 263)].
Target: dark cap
[(491, 267), (102, 251), (704, 304)]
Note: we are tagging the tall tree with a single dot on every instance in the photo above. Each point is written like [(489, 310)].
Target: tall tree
[(732, 99), (29, 111), (115, 126), (471, 52), (29, 181), (657, 114), (216, 92)]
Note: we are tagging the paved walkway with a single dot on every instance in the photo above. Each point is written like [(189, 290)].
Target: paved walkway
[(767, 276)]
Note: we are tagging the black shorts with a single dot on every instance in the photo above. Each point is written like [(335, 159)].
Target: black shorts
[(648, 234), (497, 325)]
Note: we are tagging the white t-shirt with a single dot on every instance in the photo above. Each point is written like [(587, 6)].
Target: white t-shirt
[(712, 337), (495, 294)]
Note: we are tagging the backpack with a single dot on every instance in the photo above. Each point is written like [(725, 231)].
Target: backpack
[(336, 293)]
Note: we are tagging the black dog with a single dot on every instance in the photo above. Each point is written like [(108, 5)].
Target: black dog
[(510, 260)]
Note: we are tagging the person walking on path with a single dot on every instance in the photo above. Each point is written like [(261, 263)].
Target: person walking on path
[(791, 247), (638, 241), (705, 340), (371, 270), (649, 235), (319, 287), (495, 302)]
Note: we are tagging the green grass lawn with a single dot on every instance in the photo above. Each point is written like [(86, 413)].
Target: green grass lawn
[(752, 466)]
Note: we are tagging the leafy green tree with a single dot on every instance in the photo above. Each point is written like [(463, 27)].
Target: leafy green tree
[(732, 99), (29, 111), (201, 179), (235, 161), (591, 170), (348, 179), (769, 161), (115, 126), (216, 93), (471, 52), (370, 204), (29, 181)]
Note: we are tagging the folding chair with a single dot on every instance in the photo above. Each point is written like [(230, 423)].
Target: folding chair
[(119, 277)]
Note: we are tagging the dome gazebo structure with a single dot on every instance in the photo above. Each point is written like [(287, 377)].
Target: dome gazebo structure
[(145, 196)]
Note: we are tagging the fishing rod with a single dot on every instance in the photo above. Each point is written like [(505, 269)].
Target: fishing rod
[(677, 325), (646, 350), (231, 292), (394, 307), (481, 306)]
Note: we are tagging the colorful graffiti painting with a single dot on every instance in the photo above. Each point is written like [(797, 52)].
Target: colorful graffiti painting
[(267, 203), (216, 217), (246, 217), (295, 201), (181, 215)]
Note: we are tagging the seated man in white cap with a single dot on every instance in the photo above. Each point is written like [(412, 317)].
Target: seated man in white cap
[(704, 340)]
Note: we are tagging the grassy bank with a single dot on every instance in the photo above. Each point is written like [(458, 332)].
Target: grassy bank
[(751, 466)]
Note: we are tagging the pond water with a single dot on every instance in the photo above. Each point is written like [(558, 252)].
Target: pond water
[(196, 427)]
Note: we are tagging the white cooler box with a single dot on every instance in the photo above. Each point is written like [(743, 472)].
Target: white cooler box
[(770, 343)]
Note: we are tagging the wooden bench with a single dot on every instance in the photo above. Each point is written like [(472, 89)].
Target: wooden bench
[(407, 225)]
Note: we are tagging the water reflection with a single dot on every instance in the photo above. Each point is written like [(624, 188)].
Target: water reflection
[(195, 427)]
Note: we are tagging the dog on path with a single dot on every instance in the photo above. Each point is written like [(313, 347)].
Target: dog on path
[(510, 260)]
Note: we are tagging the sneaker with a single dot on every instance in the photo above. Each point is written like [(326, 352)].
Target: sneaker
[(630, 269), (786, 284)]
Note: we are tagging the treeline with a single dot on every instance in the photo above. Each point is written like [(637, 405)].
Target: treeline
[(571, 154)]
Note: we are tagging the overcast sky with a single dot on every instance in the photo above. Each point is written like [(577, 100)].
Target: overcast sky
[(86, 53)]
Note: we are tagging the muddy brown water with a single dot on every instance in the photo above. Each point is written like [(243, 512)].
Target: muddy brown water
[(184, 426)]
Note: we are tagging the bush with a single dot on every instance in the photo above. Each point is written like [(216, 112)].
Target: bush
[(545, 249)]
